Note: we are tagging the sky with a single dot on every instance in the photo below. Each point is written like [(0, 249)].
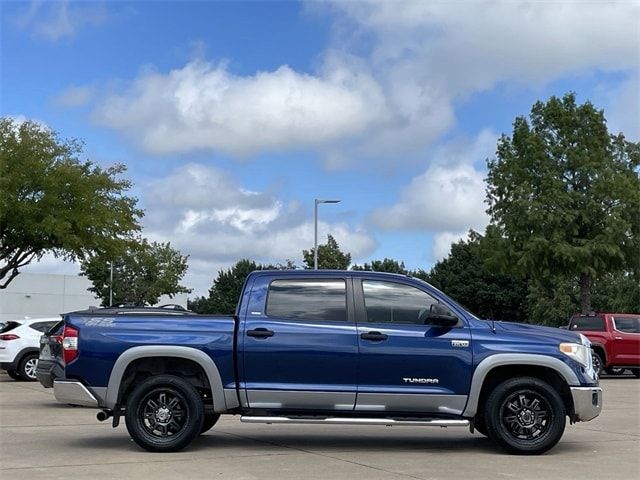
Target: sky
[(232, 117)]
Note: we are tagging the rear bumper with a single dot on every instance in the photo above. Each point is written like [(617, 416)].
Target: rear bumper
[(74, 393), (587, 403), (47, 371)]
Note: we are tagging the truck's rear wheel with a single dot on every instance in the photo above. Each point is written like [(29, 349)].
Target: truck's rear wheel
[(525, 416), (164, 414)]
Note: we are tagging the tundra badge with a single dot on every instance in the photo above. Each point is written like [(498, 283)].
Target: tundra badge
[(459, 343)]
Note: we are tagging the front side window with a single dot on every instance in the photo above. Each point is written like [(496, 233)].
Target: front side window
[(587, 323), (389, 302), (308, 300), (627, 324)]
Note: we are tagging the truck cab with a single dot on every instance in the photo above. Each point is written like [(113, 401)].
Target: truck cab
[(330, 347)]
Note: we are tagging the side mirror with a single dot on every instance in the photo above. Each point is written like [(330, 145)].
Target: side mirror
[(440, 316)]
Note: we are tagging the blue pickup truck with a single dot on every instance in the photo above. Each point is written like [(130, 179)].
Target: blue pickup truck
[(328, 347)]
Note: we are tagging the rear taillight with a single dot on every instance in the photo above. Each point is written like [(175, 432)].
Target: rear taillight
[(69, 344), (9, 336)]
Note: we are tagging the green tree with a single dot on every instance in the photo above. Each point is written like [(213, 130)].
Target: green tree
[(330, 257), (51, 202), (387, 265), (465, 276), (141, 273), (564, 196)]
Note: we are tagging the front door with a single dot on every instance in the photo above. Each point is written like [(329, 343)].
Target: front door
[(299, 345), (405, 365)]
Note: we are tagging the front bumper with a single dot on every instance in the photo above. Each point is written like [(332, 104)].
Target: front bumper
[(73, 392), (587, 403)]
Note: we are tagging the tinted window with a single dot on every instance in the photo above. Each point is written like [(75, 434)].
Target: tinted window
[(308, 300), (8, 326), (594, 324), (627, 324), (42, 326), (388, 302)]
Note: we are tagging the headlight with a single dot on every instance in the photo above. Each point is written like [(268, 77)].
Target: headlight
[(580, 353)]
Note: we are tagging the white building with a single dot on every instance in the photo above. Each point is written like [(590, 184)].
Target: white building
[(36, 295)]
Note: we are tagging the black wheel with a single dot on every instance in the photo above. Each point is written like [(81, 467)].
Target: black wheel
[(525, 416), (614, 371), (13, 374), (597, 361), (210, 419), (164, 414), (27, 368)]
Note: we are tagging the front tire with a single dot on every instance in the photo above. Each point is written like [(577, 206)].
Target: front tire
[(164, 414), (598, 363), (525, 416), (27, 368), (15, 375)]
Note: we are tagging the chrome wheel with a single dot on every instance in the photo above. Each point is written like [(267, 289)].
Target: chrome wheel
[(526, 415)]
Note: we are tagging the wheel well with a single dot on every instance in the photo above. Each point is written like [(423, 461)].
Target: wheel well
[(142, 368), (499, 374), (23, 353), (599, 349)]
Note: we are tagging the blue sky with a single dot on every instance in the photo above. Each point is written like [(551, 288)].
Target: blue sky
[(233, 116)]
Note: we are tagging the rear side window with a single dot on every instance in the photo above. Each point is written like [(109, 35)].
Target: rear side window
[(42, 326), (593, 324), (8, 326), (308, 300), (627, 324)]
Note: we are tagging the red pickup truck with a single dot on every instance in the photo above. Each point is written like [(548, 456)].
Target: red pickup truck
[(615, 340)]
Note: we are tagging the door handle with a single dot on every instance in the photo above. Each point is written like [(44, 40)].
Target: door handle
[(374, 336), (617, 338), (260, 333)]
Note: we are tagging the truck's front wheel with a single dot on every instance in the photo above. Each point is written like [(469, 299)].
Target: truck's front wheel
[(164, 414), (525, 416)]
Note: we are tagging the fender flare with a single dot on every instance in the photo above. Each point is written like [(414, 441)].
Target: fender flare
[(147, 351), (501, 359)]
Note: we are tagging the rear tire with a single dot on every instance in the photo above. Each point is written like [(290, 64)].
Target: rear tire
[(164, 414), (27, 367), (525, 416), (210, 419), (15, 375), (614, 371), (636, 372)]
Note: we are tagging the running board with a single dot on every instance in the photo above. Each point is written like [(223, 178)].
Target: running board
[(356, 421)]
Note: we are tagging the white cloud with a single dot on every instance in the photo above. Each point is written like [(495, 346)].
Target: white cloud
[(448, 196), (55, 20), (204, 106), (75, 96), (441, 246), (623, 112), (206, 214)]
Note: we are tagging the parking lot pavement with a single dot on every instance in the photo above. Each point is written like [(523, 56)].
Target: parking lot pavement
[(42, 439)]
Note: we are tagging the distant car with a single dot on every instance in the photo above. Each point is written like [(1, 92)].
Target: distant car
[(615, 340), (20, 346)]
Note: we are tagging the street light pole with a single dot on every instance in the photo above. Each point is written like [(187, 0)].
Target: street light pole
[(316, 202)]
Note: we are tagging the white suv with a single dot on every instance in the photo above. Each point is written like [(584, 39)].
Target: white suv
[(20, 346)]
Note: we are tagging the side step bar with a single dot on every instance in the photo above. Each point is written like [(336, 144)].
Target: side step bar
[(356, 421)]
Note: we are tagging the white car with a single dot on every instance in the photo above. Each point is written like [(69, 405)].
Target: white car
[(20, 346)]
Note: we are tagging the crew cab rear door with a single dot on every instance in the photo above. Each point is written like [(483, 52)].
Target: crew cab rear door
[(626, 339), (298, 344), (405, 365)]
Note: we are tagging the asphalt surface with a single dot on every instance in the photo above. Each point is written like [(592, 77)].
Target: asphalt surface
[(42, 439)]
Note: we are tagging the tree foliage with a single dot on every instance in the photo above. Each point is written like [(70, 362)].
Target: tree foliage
[(387, 265), (51, 202), (465, 276), (330, 257), (141, 273), (564, 197)]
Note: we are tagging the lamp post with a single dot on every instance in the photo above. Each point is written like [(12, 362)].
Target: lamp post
[(315, 229)]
